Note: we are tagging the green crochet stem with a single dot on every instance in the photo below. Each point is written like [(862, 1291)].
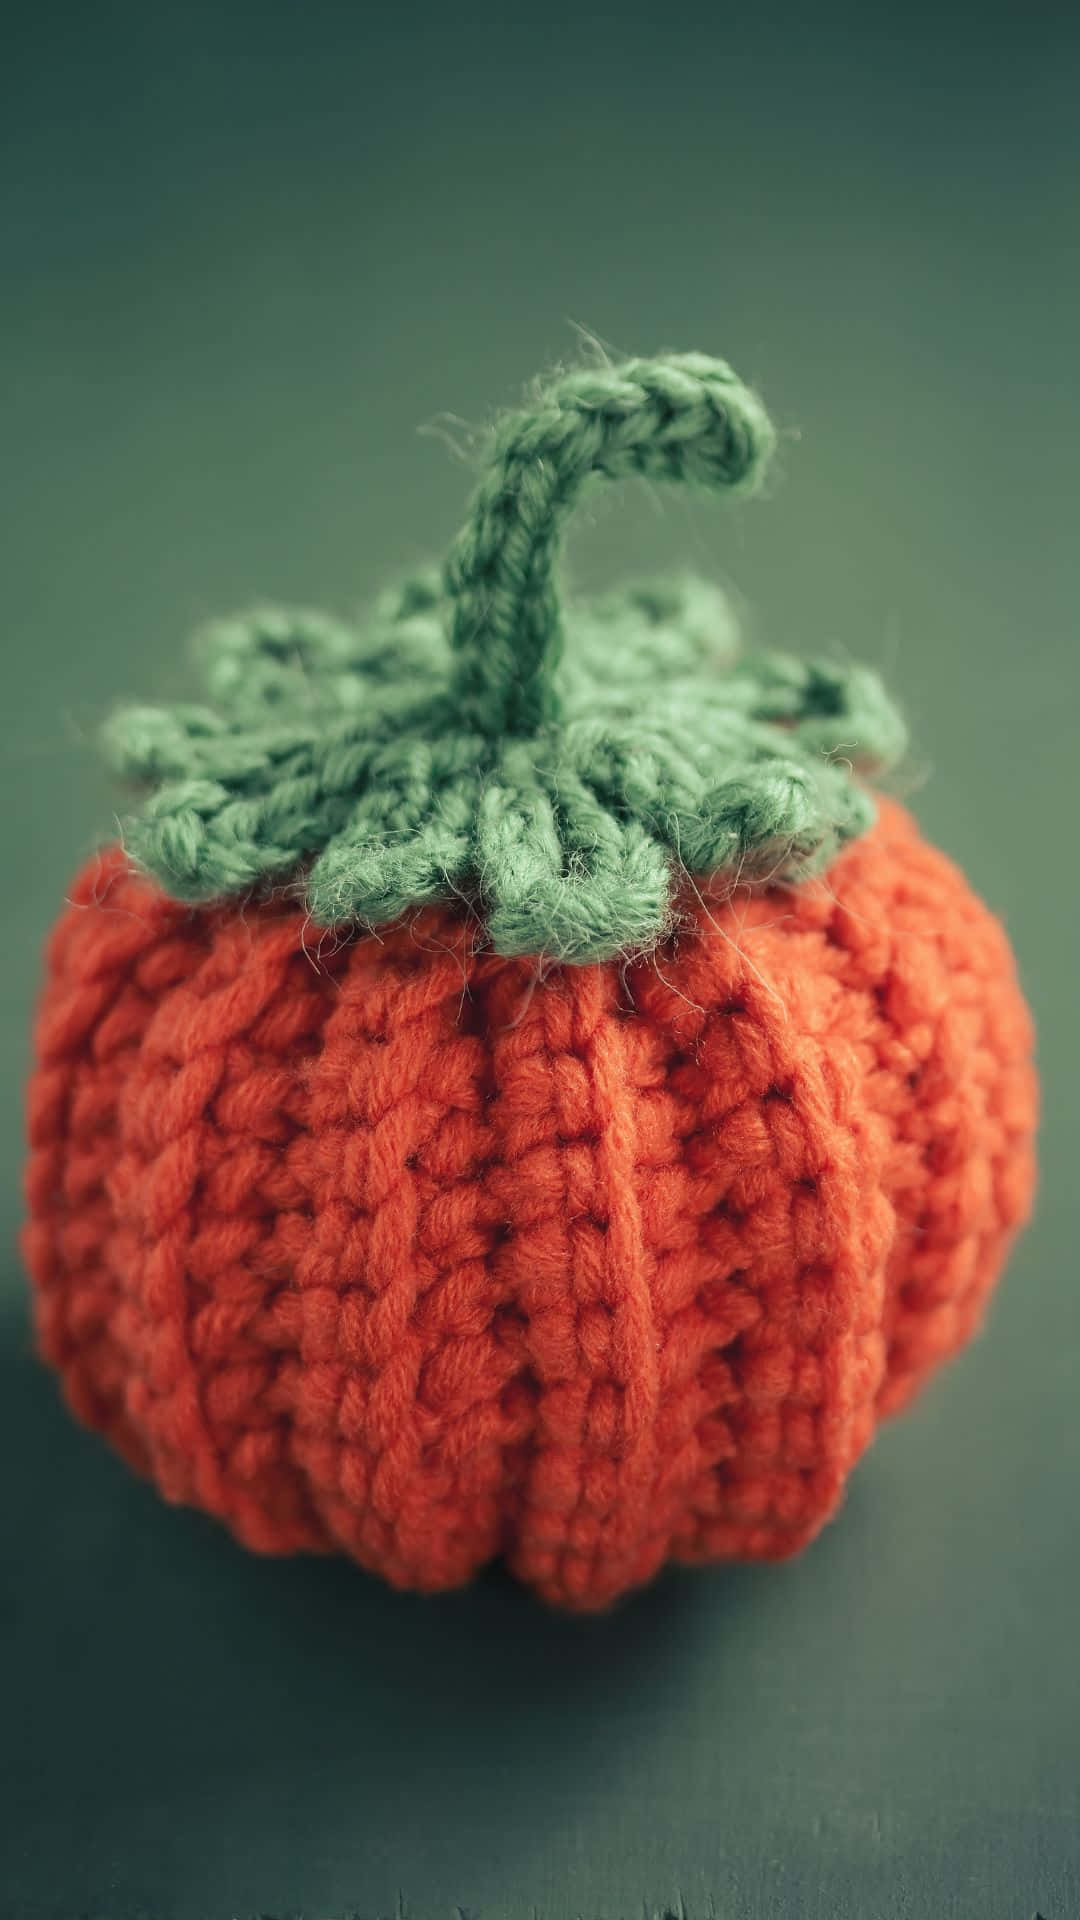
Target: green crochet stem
[(686, 418), (558, 776)]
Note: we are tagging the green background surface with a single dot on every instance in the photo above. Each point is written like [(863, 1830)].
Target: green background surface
[(249, 252)]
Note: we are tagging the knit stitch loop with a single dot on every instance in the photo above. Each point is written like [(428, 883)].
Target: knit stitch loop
[(683, 418), (450, 749)]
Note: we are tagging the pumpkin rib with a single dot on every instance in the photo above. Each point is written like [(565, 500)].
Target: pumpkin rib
[(784, 1184), (579, 1257)]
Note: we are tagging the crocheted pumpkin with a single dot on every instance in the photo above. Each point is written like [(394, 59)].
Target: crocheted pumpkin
[(507, 1102)]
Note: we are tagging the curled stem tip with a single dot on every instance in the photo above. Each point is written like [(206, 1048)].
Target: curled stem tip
[(683, 417)]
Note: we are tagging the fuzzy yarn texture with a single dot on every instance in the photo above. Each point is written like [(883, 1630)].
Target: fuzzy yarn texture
[(409, 1255), (394, 1241)]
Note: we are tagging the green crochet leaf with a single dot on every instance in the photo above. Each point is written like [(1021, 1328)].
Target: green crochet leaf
[(463, 744)]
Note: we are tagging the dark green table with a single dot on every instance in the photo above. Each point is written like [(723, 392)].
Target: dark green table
[(250, 251)]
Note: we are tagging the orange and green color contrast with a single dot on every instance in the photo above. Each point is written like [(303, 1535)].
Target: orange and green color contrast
[(517, 1092)]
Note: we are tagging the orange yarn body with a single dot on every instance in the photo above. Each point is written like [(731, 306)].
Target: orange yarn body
[(403, 1251)]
